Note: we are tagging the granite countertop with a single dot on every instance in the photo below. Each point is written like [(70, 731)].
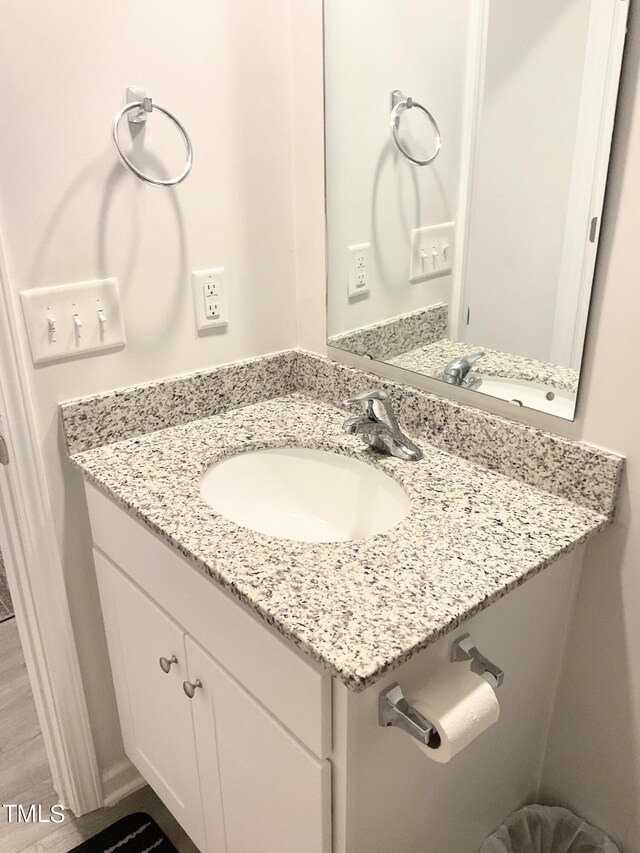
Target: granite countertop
[(432, 358), (363, 607)]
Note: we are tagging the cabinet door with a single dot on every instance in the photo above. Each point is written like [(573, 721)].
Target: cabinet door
[(155, 713), (275, 794)]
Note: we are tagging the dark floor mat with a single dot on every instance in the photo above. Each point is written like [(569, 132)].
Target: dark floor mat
[(6, 607), (135, 833)]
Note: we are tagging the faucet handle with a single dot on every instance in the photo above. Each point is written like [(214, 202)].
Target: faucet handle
[(458, 369), (376, 395), (476, 356), (380, 433), (367, 396), (464, 363)]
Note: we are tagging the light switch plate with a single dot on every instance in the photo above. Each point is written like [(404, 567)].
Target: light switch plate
[(210, 298), (432, 251), (69, 320)]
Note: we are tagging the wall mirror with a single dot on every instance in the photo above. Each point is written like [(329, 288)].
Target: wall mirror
[(467, 146)]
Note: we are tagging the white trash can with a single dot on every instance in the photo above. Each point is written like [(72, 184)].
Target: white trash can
[(547, 829)]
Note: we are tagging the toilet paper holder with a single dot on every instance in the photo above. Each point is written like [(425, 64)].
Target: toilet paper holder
[(464, 649), (394, 710)]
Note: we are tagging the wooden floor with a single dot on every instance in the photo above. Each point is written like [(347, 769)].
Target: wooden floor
[(25, 776)]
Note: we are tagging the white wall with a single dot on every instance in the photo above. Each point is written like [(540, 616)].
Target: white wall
[(375, 195), (69, 211), (593, 755), (308, 173), (522, 172)]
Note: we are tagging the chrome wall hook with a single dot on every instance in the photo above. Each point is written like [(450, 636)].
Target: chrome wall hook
[(464, 649), (394, 710)]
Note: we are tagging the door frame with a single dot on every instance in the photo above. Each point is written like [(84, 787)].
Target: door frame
[(472, 110), (36, 577), (602, 76), (601, 82)]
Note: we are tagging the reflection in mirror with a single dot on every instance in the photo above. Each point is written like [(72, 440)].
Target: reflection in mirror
[(466, 148)]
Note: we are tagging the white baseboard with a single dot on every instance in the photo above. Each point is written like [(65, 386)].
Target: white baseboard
[(120, 780)]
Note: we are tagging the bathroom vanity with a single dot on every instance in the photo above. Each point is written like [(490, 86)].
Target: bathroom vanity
[(248, 668)]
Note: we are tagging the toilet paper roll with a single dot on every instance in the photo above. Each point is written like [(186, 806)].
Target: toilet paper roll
[(460, 704)]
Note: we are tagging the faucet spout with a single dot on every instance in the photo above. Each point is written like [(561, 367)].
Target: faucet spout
[(354, 426)]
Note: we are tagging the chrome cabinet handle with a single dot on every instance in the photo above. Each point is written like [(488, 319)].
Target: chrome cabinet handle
[(190, 689), (165, 665)]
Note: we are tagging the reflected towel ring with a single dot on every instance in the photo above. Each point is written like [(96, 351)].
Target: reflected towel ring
[(143, 107), (400, 103)]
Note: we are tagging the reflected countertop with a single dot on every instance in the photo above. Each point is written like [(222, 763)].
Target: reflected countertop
[(431, 360)]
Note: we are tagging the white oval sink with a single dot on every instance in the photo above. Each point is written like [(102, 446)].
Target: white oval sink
[(305, 495)]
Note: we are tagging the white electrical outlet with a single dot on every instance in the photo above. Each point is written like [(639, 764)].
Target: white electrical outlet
[(431, 251), (209, 298), (359, 270), (69, 320)]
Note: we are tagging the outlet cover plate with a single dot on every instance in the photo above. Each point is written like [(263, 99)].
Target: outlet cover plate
[(209, 286), (359, 276)]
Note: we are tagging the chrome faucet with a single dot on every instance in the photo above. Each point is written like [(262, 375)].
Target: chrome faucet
[(386, 437), (458, 372)]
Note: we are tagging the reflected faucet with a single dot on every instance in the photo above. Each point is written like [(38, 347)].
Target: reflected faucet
[(458, 372), (385, 437)]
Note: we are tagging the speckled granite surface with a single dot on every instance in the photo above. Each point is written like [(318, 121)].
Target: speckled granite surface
[(579, 472), (385, 340), (576, 471), (430, 360), (139, 409), (361, 608)]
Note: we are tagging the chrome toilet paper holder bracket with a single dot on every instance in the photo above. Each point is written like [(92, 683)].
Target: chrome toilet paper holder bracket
[(465, 649), (394, 710)]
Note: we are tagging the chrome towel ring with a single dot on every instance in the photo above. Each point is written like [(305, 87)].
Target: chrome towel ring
[(137, 114), (399, 104)]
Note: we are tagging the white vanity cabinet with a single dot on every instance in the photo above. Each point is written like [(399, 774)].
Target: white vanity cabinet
[(273, 789), (233, 772), (155, 713)]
